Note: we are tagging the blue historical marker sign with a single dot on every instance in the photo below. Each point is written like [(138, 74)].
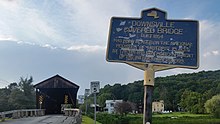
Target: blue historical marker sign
[(152, 39)]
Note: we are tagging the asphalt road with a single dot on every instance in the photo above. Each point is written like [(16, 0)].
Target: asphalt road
[(48, 119)]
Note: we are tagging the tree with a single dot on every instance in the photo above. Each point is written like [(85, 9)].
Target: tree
[(17, 100), (116, 91), (22, 95), (4, 106), (27, 88), (123, 108), (204, 84), (213, 105), (164, 95), (88, 102), (192, 102), (26, 85), (135, 97), (12, 86), (103, 97)]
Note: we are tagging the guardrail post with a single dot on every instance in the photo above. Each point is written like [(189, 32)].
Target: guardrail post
[(35, 113), (42, 112), (26, 113), (31, 113), (21, 114)]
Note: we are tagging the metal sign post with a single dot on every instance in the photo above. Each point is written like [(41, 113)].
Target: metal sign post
[(148, 93), (153, 43), (86, 105), (94, 87), (95, 108)]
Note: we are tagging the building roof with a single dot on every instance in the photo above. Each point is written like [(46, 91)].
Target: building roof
[(56, 82)]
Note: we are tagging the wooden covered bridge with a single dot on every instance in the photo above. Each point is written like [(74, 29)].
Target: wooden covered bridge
[(56, 93)]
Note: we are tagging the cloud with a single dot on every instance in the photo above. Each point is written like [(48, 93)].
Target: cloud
[(72, 22), (69, 38), (11, 5), (28, 23), (80, 67), (49, 46), (209, 45), (209, 34), (86, 48), (215, 52), (209, 41), (91, 18), (61, 24), (212, 53), (7, 38)]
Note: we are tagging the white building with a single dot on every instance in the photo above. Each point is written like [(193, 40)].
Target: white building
[(110, 104)]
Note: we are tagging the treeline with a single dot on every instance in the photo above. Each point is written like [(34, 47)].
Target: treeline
[(19, 95), (182, 92)]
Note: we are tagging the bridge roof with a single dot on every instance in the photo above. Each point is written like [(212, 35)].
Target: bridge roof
[(56, 82)]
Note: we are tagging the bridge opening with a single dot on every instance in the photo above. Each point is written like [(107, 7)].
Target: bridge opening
[(55, 94)]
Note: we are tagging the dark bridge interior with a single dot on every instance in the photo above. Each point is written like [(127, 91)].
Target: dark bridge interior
[(54, 93)]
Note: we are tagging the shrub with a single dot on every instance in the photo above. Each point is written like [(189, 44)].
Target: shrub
[(213, 106)]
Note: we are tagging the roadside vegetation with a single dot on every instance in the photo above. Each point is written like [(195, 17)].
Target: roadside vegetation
[(182, 92), (184, 118), (168, 118), (193, 99), (19, 95), (88, 120)]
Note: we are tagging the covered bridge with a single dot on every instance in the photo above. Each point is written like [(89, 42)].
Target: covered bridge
[(55, 93)]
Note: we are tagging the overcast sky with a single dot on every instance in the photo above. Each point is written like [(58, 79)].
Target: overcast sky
[(42, 38)]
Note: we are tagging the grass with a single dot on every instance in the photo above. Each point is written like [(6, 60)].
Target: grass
[(180, 118), (4, 119), (181, 114), (184, 118), (87, 120)]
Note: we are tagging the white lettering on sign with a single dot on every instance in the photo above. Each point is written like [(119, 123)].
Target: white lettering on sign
[(169, 52), (152, 39)]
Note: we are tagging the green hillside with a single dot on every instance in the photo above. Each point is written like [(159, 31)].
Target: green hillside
[(186, 92)]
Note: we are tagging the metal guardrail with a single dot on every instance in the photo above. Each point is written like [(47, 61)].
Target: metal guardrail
[(22, 113), (75, 113)]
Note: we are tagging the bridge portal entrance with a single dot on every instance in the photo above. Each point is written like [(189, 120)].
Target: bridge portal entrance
[(55, 94)]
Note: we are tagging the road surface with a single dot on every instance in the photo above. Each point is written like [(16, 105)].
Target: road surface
[(48, 119)]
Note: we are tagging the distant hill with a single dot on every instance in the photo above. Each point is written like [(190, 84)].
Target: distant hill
[(170, 88)]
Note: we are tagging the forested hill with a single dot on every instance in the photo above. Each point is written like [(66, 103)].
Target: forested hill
[(176, 90)]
